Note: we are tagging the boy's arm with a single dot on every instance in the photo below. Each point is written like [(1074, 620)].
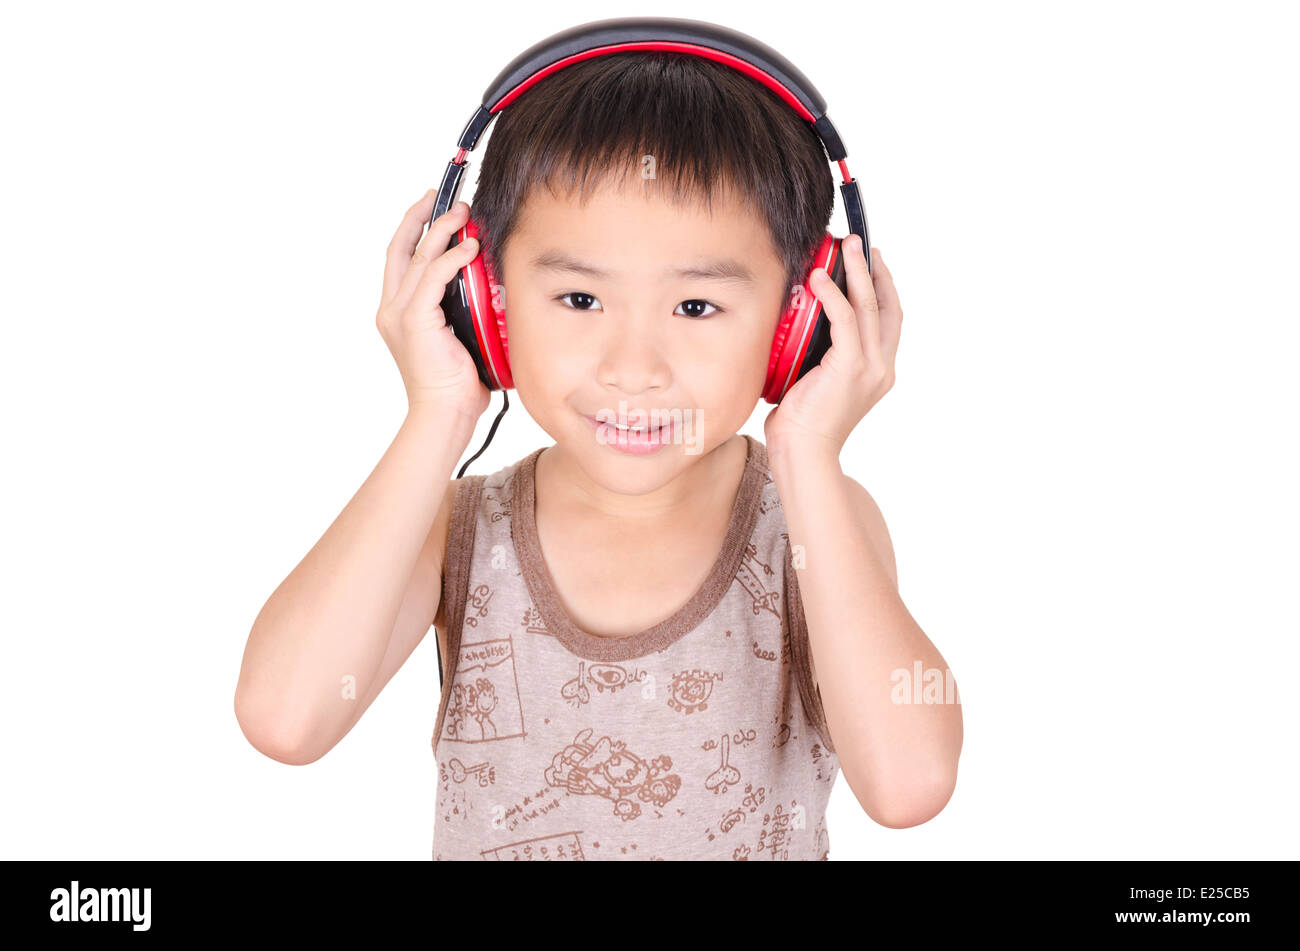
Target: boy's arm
[(900, 759), (423, 594), (337, 628), (870, 515)]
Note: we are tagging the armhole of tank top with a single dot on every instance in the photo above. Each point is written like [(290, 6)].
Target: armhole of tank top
[(455, 582), (810, 694)]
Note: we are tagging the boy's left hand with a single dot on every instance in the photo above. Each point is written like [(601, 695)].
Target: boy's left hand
[(819, 411)]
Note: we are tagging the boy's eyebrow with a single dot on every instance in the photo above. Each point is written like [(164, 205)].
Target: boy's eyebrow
[(718, 269)]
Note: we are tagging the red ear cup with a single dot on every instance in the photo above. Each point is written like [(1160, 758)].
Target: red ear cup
[(803, 334), (474, 305)]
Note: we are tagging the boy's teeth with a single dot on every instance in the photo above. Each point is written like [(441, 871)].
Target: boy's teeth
[(624, 428)]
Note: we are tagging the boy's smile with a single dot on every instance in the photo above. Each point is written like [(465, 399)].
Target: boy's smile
[(639, 333)]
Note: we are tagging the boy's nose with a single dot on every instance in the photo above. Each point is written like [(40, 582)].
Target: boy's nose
[(632, 359)]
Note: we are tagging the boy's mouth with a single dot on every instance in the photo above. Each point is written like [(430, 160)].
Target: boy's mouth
[(643, 428), (648, 415), (632, 438)]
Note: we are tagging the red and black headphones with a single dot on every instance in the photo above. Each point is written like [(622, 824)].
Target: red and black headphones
[(475, 311)]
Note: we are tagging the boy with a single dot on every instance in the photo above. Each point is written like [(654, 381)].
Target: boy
[(631, 667)]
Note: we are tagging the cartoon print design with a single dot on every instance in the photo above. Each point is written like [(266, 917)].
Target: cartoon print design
[(825, 761), (564, 847), (502, 503), (476, 700), (489, 699), (605, 676), (739, 737), (730, 819), (774, 837), (478, 600), (754, 576), (485, 772), (533, 622), (691, 689), (726, 775), (531, 808), (753, 797), (451, 801), (611, 770)]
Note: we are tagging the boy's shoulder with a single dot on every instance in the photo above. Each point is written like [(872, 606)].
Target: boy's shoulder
[(867, 512), (872, 521)]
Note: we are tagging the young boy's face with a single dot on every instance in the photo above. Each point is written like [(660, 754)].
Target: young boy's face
[(596, 314)]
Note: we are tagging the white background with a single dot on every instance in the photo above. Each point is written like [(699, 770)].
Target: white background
[(1088, 463)]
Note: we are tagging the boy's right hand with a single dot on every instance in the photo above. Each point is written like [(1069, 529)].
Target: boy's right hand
[(435, 366)]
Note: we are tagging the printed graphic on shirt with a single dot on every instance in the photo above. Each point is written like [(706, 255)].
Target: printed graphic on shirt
[(483, 772), (753, 800), (498, 502), (825, 761), (608, 768), (484, 703), (774, 836), (690, 689), (726, 775), (452, 801), (759, 579), (534, 623), (526, 811), (564, 847), (477, 605), (602, 676)]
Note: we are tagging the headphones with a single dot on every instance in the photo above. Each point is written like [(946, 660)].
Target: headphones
[(470, 304)]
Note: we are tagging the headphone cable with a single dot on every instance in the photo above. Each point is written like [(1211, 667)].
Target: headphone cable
[(491, 432)]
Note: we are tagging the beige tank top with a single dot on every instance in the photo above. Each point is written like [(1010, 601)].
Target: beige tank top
[(700, 738)]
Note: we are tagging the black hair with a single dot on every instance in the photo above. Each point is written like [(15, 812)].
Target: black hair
[(708, 127)]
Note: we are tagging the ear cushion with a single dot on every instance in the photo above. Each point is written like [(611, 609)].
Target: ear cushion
[(497, 302), (474, 308), (803, 333)]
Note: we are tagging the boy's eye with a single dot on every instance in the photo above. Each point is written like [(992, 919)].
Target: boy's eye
[(696, 306), (583, 301)]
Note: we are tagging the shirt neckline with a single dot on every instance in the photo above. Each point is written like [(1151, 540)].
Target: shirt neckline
[(541, 586)]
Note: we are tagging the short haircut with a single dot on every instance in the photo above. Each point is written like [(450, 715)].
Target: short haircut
[(707, 126)]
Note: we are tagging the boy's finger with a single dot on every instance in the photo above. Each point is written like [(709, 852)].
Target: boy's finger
[(398, 254), (844, 325), (862, 295), (428, 291), (891, 309), (429, 249)]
